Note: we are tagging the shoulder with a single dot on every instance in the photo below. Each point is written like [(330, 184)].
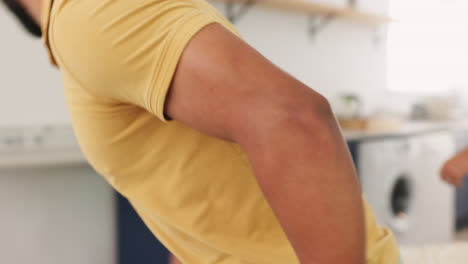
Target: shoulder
[(118, 46)]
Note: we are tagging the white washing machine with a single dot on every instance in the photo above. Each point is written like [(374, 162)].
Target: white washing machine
[(400, 179)]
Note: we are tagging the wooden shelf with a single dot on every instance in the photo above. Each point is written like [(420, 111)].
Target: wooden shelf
[(310, 8)]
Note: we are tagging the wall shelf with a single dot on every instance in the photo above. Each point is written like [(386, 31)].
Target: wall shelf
[(308, 7)]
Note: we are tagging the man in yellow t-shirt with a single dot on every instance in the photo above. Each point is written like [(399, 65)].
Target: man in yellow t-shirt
[(225, 157)]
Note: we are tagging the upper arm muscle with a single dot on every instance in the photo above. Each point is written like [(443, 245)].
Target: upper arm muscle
[(224, 88)]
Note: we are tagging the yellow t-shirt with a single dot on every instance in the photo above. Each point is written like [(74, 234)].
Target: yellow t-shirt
[(196, 193)]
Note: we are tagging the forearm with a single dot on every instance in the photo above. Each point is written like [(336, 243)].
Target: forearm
[(308, 178), (456, 168), (462, 159)]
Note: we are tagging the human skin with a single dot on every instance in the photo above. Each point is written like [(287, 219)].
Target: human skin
[(34, 8), (456, 169)]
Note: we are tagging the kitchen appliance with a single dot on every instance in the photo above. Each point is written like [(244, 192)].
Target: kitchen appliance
[(400, 179)]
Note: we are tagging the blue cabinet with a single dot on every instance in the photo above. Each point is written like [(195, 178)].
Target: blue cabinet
[(462, 193), (136, 244)]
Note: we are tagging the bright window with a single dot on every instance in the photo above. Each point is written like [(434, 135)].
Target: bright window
[(428, 46)]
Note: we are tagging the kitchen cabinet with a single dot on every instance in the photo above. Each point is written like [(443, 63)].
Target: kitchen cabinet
[(136, 243), (55, 214)]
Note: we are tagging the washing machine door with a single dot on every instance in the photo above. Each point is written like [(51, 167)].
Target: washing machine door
[(393, 201), (400, 193), (387, 182)]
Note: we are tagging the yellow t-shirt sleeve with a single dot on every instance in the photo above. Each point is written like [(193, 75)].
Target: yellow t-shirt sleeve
[(127, 51)]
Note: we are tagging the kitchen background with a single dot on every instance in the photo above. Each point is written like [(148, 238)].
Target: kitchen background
[(377, 75)]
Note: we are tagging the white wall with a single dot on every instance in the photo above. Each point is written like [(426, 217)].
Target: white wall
[(30, 89), (342, 58)]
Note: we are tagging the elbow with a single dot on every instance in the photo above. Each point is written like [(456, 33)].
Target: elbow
[(317, 115), (316, 124), (312, 118)]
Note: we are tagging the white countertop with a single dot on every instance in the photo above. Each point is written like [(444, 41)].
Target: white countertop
[(38, 158), (66, 152), (34, 146), (409, 129)]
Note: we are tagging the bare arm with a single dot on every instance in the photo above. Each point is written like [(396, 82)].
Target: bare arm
[(456, 168), (173, 260), (226, 89)]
